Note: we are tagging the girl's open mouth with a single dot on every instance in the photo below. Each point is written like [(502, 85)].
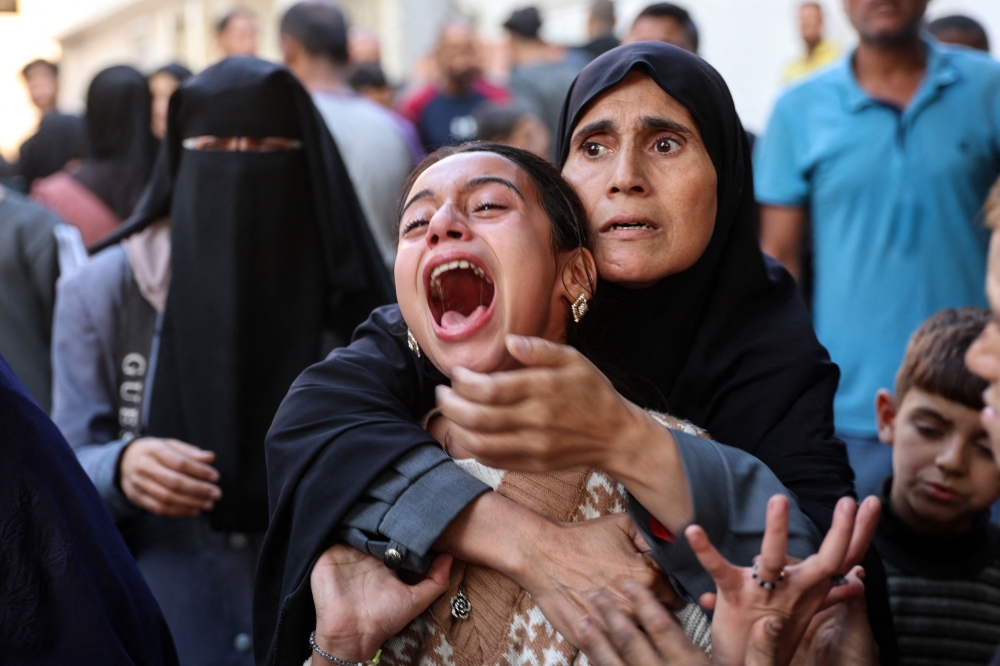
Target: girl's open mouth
[(460, 293)]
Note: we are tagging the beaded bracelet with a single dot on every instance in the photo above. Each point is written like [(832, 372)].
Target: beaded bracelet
[(329, 657)]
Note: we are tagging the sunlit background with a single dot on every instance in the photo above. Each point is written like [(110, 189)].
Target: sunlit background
[(749, 41)]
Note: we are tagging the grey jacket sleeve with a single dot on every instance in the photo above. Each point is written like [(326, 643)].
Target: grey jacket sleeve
[(84, 405), (410, 506), (729, 490)]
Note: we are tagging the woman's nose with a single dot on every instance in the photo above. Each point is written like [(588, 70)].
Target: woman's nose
[(629, 173), (447, 223)]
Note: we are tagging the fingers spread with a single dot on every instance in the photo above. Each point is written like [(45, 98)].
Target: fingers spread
[(830, 558), (865, 525), (774, 548), (725, 575)]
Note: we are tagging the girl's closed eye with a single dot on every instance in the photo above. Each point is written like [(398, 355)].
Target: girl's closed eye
[(413, 224), (488, 206)]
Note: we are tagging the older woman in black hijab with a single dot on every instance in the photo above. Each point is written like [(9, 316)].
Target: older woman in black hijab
[(101, 191), (688, 312)]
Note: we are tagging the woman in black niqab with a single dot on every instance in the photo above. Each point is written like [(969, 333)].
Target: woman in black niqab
[(269, 250)]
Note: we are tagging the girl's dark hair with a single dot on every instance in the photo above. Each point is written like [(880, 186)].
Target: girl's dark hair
[(558, 198)]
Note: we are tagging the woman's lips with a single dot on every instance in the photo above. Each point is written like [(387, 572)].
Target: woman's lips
[(629, 226), (941, 493), (461, 295)]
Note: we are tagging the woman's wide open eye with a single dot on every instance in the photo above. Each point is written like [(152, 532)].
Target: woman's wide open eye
[(593, 149), (666, 145)]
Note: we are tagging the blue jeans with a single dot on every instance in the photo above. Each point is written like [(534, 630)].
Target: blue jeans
[(871, 461)]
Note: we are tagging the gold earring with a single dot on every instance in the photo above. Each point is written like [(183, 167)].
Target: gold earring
[(580, 307), (412, 343)]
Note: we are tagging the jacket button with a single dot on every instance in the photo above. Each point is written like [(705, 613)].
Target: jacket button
[(392, 558), (242, 642)]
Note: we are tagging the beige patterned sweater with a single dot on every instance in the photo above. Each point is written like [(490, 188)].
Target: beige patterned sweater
[(504, 626)]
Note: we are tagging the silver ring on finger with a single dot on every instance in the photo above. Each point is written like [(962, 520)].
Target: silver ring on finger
[(766, 584)]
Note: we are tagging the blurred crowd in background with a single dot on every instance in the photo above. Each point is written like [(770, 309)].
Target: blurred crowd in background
[(79, 178)]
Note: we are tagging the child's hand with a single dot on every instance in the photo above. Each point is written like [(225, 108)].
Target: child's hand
[(360, 603), (800, 590)]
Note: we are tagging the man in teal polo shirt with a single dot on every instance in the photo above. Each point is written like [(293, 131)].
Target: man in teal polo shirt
[(891, 152)]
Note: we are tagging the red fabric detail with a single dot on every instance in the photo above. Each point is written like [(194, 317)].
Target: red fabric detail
[(74, 203), (412, 107), (491, 91), (661, 532)]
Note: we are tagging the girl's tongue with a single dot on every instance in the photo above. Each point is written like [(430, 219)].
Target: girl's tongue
[(458, 295)]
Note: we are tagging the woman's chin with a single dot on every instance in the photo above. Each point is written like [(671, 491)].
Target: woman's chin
[(473, 356)]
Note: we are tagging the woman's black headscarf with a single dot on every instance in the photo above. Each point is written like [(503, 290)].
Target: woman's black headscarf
[(269, 249), (121, 147), (59, 139)]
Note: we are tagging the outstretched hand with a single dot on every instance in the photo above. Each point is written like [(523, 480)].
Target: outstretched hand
[(664, 642), (360, 603), (800, 589)]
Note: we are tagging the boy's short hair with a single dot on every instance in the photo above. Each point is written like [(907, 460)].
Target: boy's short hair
[(935, 357), (992, 207)]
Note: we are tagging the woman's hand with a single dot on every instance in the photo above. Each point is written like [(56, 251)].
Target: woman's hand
[(561, 412), (620, 640), (804, 589), (360, 603), (168, 477), (839, 636), (581, 558), (556, 413)]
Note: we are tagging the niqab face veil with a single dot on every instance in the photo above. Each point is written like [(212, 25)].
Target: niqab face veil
[(268, 250)]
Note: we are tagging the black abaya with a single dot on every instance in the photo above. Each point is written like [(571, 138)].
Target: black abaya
[(728, 344), (70, 591)]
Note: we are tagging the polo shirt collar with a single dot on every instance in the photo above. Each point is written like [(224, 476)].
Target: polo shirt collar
[(941, 72)]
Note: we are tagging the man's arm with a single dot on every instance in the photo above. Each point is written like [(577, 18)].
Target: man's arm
[(781, 231)]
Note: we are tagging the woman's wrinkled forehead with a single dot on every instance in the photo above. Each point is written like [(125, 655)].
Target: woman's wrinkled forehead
[(685, 77)]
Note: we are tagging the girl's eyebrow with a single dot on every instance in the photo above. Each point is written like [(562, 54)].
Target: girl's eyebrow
[(422, 194), (485, 180), (470, 185)]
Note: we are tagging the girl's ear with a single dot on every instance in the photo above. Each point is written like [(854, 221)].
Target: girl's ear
[(579, 275)]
